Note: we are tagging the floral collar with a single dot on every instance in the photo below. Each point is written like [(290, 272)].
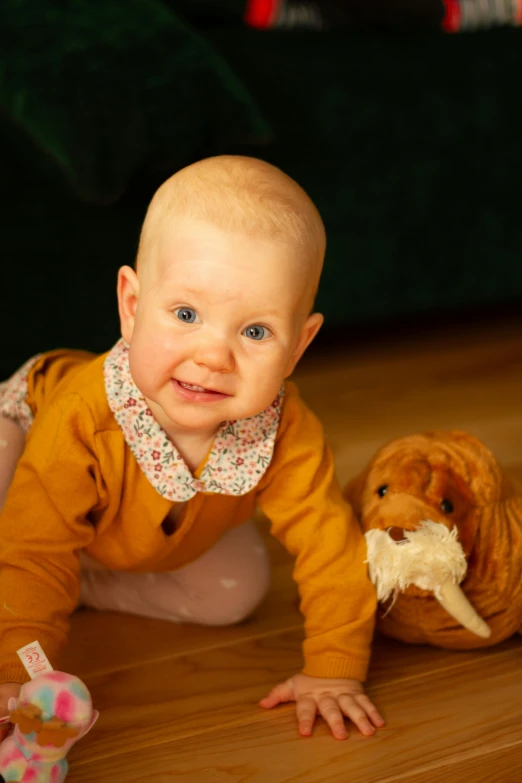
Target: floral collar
[(241, 452)]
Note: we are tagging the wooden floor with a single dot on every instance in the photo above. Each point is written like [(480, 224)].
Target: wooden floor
[(178, 703)]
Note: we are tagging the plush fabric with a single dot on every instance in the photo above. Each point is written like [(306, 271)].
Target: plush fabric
[(94, 90), (452, 479), (52, 712)]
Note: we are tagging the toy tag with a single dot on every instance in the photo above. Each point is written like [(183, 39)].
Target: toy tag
[(34, 660)]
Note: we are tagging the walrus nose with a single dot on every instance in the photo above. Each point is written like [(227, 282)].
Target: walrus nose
[(399, 511), (397, 533)]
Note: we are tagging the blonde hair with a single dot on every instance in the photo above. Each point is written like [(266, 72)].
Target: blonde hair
[(241, 194)]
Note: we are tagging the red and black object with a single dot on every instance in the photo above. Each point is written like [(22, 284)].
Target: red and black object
[(449, 15)]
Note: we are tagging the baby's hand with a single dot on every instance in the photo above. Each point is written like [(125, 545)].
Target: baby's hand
[(8, 690), (333, 699)]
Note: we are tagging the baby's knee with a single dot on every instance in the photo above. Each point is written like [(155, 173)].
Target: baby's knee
[(239, 593)]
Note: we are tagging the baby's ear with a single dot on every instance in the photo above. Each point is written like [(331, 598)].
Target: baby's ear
[(309, 330), (128, 291)]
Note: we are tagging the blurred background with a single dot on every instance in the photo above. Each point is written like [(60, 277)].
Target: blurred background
[(402, 119)]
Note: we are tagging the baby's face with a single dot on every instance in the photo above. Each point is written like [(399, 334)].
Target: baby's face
[(220, 321)]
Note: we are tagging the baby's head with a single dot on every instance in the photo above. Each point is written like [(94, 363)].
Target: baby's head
[(228, 265)]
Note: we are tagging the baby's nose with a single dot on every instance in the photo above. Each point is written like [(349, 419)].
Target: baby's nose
[(216, 355)]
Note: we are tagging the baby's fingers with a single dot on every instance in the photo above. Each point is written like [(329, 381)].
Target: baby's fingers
[(357, 714), (306, 710), (371, 710), (278, 695), (331, 712)]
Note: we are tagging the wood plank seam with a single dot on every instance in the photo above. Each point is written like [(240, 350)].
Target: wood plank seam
[(455, 758), (184, 654)]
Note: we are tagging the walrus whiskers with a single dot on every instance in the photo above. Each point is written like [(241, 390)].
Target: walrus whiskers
[(429, 557)]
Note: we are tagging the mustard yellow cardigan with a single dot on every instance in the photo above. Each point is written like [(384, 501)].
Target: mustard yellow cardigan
[(79, 487)]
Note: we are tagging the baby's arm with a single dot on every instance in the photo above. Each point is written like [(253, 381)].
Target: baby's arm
[(43, 525), (12, 441), (302, 499)]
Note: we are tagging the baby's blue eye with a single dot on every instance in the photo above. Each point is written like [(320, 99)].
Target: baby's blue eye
[(255, 332), (186, 314)]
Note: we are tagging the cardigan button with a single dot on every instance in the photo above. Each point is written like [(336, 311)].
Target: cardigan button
[(168, 526), (199, 486)]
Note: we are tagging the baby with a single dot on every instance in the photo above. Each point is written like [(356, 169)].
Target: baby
[(128, 480)]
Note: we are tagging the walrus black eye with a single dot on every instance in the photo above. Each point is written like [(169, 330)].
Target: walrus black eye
[(446, 506), (382, 490)]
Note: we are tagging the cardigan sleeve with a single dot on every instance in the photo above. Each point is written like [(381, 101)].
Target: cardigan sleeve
[(302, 499), (43, 525)]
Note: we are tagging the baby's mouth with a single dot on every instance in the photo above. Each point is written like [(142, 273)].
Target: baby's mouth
[(193, 388), (190, 387)]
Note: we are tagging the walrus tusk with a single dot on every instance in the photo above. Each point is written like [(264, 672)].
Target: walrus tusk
[(452, 599), (429, 557)]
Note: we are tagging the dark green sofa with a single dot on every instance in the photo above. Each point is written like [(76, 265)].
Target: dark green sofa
[(409, 144)]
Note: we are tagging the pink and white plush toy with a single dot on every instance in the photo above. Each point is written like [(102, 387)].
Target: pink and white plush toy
[(52, 712)]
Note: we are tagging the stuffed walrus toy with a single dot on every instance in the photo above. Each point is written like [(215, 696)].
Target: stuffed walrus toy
[(443, 526)]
